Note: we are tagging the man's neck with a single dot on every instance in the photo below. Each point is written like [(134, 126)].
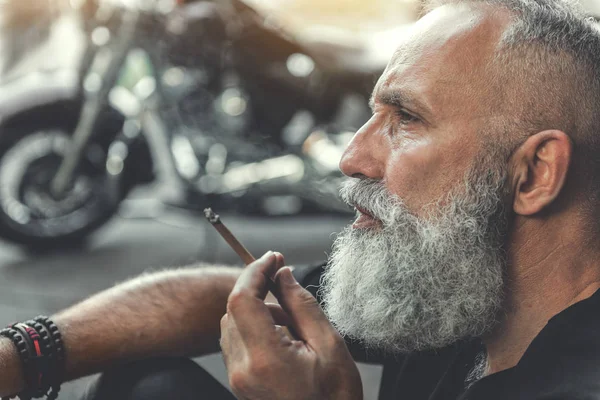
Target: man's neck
[(549, 270)]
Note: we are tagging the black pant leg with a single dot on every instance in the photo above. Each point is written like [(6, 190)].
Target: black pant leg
[(157, 379)]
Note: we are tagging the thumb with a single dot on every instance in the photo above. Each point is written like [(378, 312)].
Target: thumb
[(309, 322)]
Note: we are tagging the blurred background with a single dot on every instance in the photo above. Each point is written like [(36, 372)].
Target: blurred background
[(121, 120)]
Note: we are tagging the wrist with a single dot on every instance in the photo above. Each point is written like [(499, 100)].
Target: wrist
[(350, 394), (12, 379), (349, 386)]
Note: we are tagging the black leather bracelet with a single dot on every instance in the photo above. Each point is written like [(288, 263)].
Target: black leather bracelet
[(30, 366)]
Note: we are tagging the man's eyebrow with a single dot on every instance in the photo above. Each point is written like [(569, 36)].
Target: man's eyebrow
[(398, 99)]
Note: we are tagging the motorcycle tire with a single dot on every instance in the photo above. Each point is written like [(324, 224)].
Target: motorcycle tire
[(30, 153)]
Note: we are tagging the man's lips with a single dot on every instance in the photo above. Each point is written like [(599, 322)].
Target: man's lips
[(363, 211), (365, 220)]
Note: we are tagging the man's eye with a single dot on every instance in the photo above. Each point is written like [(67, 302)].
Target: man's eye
[(406, 118)]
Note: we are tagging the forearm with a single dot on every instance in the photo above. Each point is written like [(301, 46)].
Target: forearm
[(173, 312), (169, 313)]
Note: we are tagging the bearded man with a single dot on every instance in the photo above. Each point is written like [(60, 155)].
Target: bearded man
[(471, 271)]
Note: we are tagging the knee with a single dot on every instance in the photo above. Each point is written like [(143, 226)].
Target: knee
[(176, 379), (155, 379)]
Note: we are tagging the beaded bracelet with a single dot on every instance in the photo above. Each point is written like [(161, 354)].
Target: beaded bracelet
[(41, 350), (51, 376), (58, 358)]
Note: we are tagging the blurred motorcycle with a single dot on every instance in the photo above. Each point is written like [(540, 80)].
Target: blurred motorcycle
[(212, 100)]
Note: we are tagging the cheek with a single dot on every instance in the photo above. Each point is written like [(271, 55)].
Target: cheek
[(423, 172)]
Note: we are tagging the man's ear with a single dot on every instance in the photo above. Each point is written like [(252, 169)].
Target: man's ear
[(540, 167)]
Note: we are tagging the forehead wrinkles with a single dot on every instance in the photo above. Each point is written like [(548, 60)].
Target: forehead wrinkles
[(446, 59)]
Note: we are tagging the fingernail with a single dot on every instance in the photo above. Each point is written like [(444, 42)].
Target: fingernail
[(287, 277)]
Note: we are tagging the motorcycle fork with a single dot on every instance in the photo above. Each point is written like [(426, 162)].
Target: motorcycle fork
[(92, 107)]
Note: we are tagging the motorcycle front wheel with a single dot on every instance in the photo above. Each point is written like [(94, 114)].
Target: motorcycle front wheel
[(30, 154)]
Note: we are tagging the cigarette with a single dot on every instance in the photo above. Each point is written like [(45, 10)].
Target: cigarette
[(235, 244)]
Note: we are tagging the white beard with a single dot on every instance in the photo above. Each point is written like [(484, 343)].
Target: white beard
[(419, 283)]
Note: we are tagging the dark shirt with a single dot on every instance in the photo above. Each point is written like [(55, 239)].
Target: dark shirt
[(562, 362)]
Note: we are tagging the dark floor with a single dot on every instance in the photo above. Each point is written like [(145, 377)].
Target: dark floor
[(43, 284)]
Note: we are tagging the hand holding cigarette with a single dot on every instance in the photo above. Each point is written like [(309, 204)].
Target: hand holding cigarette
[(253, 333), (263, 362)]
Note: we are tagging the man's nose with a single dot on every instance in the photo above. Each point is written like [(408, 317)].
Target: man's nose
[(365, 155)]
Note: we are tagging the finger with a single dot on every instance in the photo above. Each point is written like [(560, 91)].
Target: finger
[(280, 260), (232, 346), (308, 319), (280, 317), (246, 307), (224, 340), (271, 286), (255, 276)]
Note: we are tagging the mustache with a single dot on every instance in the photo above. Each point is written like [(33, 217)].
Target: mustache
[(369, 194)]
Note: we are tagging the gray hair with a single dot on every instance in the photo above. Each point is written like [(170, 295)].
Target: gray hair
[(547, 76)]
